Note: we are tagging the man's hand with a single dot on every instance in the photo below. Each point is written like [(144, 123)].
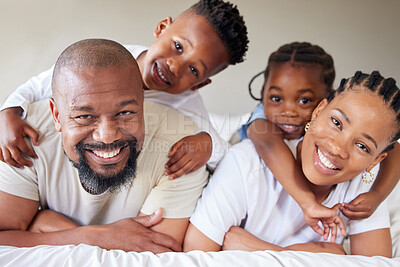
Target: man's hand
[(329, 218), (12, 144), (361, 207), (188, 155), (132, 234)]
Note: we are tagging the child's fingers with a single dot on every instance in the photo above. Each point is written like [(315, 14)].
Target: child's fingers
[(184, 170), (352, 215), (18, 157), (9, 159), (177, 165), (34, 135), (27, 150), (175, 148), (175, 158), (355, 208)]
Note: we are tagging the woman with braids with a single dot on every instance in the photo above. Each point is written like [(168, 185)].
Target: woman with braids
[(341, 142), (298, 76)]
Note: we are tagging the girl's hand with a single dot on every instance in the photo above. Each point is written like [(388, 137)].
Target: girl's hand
[(361, 207)]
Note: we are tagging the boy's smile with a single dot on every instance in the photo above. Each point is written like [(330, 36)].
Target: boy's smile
[(186, 53)]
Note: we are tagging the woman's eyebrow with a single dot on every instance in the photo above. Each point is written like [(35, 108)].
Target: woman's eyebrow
[(343, 114)]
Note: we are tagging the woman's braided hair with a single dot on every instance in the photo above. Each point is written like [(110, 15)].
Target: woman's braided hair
[(386, 89)]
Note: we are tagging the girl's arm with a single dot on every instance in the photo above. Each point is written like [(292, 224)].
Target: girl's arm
[(365, 204), (269, 143)]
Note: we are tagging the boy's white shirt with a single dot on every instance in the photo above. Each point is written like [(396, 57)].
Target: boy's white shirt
[(189, 103)]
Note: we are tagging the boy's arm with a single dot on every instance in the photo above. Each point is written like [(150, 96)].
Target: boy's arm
[(365, 204), (269, 144), (12, 145)]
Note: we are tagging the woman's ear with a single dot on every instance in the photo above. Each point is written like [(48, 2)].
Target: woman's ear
[(321, 106), (162, 25), (55, 114), (378, 159)]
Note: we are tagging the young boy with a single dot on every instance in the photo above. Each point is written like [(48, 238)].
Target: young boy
[(202, 41)]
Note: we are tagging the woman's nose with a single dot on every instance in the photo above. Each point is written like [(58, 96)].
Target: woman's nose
[(337, 146)]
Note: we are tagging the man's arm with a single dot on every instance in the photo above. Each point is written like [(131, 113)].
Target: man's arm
[(129, 234)]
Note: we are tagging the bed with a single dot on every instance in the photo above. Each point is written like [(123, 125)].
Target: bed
[(85, 255)]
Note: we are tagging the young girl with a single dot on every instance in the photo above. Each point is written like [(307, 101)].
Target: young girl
[(298, 76), (338, 147)]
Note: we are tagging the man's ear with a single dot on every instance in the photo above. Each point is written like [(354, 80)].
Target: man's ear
[(55, 114), (198, 86), (162, 25), (321, 106), (378, 159)]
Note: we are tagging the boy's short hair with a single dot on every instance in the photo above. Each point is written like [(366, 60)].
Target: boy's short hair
[(228, 24)]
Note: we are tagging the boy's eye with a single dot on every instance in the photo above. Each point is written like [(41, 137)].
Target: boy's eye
[(178, 47), (336, 122), (194, 71), (304, 101), (275, 98), (363, 147)]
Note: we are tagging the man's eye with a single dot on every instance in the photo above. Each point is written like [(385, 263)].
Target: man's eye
[(178, 47), (336, 123), (275, 98), (194, 71), (84, 119), (304, 101)]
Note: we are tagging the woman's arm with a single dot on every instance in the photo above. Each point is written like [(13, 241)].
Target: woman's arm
[(372, 243), (196, 240)]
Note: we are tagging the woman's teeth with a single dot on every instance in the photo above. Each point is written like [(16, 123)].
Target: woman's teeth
[(326, 161), (107, 155)]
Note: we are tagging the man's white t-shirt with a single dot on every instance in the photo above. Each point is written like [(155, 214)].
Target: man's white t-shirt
[(189, 103), (55, 183), (244, 189)]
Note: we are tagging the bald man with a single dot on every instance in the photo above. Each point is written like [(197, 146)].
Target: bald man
[(100, 163)]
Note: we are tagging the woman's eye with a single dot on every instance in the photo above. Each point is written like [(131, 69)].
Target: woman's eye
[(194, 71), (178, 47), (336, 122), (304, 101), (275, 98), (363, 147)]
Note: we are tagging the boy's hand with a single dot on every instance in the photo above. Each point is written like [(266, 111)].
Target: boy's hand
[(12, 143), (188, 154), (329, 218), (361, 207)]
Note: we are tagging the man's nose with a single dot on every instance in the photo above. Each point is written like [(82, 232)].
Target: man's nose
[(107, 131)]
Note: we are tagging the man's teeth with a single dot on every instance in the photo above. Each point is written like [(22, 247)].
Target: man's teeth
[(161, 75), (325, 161), (107, 155)]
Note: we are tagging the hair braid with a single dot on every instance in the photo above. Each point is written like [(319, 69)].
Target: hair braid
[(386, 89)]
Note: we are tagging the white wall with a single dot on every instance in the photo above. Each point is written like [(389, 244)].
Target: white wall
[(359, 34)]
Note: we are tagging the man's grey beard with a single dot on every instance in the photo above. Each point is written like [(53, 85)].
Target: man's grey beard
[(96, 184)]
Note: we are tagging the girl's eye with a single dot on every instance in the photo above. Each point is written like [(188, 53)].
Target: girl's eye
[(194, 71), (178, 47), (304, 101), (336, 122), (275, 98), (363, 147)]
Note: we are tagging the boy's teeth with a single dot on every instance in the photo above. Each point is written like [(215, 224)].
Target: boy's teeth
[(161, 75), (107, 155), (325, 161)]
